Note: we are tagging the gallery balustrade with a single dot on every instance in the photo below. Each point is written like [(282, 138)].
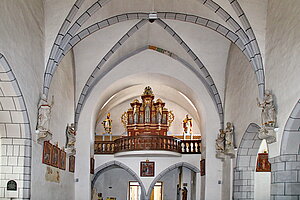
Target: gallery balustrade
[(148, 142)]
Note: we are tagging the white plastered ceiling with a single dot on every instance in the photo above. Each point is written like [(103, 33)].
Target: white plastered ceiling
[(209, 46)]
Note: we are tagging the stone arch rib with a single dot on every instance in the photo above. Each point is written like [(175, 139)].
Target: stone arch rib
[(243, 180), (255, 58), (285, 167), (137, 51), (64, 35), (208, 81), (17, 134), (52, 60), (290, 143), (170, 168), (204, 71), (250, 43), (96, 72), (174, 16), (100, 169)]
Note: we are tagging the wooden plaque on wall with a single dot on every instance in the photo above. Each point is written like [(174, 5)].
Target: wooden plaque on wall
[(47, 153), (147, 169), (72, 164), (92, 167), (263, 164), (62, 160), (55, 156), (202, 167)]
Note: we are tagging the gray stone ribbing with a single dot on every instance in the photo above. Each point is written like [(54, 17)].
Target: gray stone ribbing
[(243, 178), (285, 177)]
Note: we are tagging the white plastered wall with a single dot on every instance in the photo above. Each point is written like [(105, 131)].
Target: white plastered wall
[(21, 42), (138, 64), (62, 89), (161, 164), (240, 95), (282, 60)]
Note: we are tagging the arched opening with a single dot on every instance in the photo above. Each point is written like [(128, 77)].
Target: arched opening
[(262, 175), (183, 178), (114, 180), (15, 136)]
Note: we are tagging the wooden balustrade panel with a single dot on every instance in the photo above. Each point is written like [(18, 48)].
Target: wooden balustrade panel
[(148, 142), (190, 146), (104, 147)]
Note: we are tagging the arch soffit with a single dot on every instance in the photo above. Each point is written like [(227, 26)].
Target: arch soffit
[(290, 142), (249, 147), (80, 105), (57, 52), (12, 93), (100, 169), (170, 168)]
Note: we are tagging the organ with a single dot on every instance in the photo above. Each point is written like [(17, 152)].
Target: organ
[(148, 117)]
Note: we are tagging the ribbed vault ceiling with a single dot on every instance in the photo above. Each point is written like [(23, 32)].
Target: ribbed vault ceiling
[(202, 47)]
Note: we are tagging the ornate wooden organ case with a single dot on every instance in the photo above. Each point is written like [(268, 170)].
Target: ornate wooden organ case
[(148, 117)]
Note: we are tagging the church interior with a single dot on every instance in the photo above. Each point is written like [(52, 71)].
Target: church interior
[(149, 99)]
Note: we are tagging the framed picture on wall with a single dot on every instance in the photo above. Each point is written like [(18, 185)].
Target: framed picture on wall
[(263, 164), (62, 160), (147, 169), (202, 167), (55, 156), (47, 153), (72, 164), (92, 163)]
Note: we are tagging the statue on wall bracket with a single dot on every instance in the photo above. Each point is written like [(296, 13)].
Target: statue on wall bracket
[(268, 118), (187, 127), (43, 121), (107, 124), (225, 142), (71, 139), (220, 144), (229, 140)]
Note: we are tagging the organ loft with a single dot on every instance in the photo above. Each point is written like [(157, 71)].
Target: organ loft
[(148, 117), (146, 123)]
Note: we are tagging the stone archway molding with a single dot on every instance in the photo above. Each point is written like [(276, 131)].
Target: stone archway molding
[(243, 178), (16, 134), (241, 39), (107, 165), (170, 168), (203, 75), (285, 169)]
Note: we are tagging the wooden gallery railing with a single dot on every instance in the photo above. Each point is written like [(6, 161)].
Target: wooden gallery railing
[(151, 142)]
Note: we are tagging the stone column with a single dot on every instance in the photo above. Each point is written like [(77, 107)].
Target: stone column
[(243, 183), (285, 177)]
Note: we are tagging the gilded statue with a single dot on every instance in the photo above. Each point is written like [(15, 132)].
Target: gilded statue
[(107, 124), (187, 127)]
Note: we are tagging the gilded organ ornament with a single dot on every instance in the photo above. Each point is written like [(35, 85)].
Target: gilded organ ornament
[(147, 117)]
